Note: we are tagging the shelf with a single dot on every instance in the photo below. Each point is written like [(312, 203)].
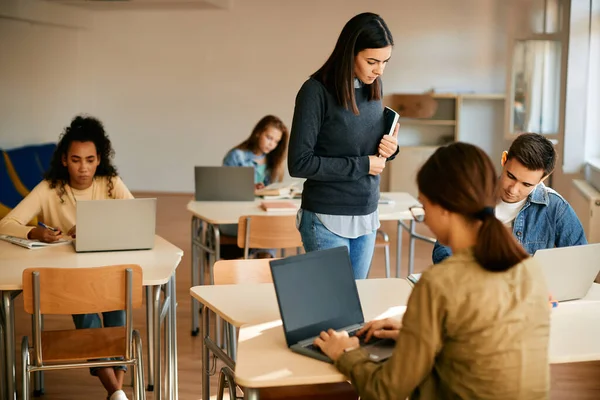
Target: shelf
[(439, 122), (482, 96)]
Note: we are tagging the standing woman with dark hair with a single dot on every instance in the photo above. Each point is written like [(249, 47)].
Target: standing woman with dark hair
[(81, 169), (337, 143), (477, 325)]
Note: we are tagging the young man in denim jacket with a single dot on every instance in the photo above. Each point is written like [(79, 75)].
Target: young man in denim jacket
[(538, 216)]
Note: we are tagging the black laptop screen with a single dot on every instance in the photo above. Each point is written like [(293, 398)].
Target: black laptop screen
[(316, 291)]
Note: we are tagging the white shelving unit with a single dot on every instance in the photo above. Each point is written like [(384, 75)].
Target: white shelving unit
[(476, 118)]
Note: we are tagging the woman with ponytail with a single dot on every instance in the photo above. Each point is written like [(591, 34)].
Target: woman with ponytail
[(476, 325)]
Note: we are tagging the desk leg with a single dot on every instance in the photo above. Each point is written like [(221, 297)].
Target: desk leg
[(168, 345), (251, 394), (398, 248), (150, 338), (9, 343), (157, 366), (3, 369), (411, 248), (211, 270), (232, 342), (205, 354), (175, 383), (195, 279)]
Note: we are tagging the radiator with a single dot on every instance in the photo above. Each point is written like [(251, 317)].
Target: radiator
[(585, 200)]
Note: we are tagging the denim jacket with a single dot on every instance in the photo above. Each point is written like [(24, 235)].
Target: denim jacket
[(245, 158), (545, 221)]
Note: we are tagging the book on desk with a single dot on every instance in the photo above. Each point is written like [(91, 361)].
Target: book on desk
[(278, 206), (281, 190), (32, 244)]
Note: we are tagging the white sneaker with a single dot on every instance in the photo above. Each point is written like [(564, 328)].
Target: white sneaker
[(118, 395)]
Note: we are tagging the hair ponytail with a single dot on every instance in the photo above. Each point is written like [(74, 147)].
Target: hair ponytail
[(496, 249), (461, 178)]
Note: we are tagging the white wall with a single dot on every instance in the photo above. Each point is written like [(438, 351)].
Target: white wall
[(39, 70), (179, 88)]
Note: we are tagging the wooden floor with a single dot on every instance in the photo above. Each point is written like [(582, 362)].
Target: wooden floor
[(571, 381)]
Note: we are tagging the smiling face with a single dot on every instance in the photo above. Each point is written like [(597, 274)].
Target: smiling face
[(369, 64), (516, 181), (81, 161)]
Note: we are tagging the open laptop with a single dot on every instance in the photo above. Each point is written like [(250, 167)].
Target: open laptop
[(224, 183), (110, 225), (570, 271), (316, 292)]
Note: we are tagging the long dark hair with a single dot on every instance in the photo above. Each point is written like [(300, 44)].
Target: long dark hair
[(461, 178), (364, 31), (82, 129), (276, 157)]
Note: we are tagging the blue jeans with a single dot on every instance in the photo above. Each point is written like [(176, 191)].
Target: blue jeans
[(315, 236), (111, 319)]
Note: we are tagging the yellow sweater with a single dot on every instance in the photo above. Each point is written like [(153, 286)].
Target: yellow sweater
[(467, 334), (46, 203)]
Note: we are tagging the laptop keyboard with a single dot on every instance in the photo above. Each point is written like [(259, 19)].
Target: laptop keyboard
[(361, 341)]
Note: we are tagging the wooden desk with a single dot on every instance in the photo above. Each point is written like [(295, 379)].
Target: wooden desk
[(256, 304), (158, 265), (265, 361), (208, 215), (575, 329)]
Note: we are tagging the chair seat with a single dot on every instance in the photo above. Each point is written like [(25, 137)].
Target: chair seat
[(380, 242), (83, 344), (226, 239), (327, 391)]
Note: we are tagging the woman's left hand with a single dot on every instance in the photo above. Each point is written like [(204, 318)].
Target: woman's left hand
[(389, 144), (334, 343)]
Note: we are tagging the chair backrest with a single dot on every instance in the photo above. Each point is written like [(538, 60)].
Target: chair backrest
[(230, 272), (82, 290), (268, 232)]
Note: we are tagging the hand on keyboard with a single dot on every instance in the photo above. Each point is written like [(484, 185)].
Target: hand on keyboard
[(388, 328)]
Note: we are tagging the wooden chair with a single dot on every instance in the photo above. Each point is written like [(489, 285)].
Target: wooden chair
[(267, 232), (67, 291), (383, 240), (228, 272)]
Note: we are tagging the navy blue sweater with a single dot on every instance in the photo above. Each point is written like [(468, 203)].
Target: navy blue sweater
[(330, 147)]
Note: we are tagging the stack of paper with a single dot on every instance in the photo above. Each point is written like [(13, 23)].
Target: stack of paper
[(31, 244)]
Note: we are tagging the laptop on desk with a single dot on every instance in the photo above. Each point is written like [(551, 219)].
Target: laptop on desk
[(224, 183), (110, 225), (570, 271), (316, 292)]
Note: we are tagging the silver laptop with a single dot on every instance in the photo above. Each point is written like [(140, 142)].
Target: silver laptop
[(224, 183), (570, 271), (109, 225), (316, 291)]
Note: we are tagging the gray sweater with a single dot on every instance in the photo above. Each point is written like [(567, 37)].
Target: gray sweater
[(329, 146)]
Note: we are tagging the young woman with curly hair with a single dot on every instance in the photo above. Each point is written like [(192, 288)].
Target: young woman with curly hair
[(81, 169)]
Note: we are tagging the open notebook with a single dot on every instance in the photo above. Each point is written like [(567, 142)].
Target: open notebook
[(31, 244)]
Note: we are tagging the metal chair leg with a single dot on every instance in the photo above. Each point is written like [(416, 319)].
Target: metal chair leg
[(25, 368), (139, 370)]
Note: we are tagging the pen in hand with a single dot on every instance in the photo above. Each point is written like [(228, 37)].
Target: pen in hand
[(43, 225)]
